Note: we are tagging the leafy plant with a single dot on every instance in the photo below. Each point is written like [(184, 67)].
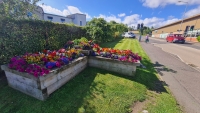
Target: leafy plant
[(76, 41), (198, 38), (83, 39)]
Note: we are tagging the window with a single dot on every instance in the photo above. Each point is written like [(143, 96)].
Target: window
[(191, 28), (29, 14), (62, 20), (80, 23), (50, 18), (187, 28)]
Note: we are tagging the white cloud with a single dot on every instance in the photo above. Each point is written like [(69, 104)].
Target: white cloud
[(162, 3), (110, 18), (69, 10), (192, 12), (133, 20), (73, 9), (121, 15)]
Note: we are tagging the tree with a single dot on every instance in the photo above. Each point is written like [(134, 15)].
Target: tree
[(117, 28), (17, 9), (146, 30), (98, 29)]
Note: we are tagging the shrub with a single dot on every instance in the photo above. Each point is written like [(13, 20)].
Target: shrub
[(198, 38)]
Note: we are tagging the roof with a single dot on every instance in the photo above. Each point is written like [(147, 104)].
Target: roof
[(198, 15), (56, 15), (68, 16)]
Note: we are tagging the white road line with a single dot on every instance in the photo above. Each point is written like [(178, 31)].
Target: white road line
[(196, 68)]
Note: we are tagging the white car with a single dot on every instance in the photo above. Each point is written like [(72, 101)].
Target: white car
[(129, 35)]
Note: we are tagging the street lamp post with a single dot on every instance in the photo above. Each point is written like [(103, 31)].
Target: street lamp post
[(183, 15)]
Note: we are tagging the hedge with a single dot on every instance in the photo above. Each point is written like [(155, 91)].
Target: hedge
[(20, 36)]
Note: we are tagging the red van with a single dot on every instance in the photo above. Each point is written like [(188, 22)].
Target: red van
[(175, 38)]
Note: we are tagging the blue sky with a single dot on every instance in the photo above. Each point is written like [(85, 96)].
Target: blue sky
[(154, 13)]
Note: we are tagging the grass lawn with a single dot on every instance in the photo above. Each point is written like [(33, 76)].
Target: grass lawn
[(98, 91)]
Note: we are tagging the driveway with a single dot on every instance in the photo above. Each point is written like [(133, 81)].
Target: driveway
[(183, 80)]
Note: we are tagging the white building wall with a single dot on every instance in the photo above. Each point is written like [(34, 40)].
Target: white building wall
[(79, 19), (56, 18)]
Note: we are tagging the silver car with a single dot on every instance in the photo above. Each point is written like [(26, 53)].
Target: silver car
[(129, 35)]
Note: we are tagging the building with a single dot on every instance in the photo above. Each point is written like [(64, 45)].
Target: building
[(39, 12), (77, 19), (189, 27)]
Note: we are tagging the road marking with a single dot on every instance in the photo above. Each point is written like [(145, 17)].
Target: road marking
[(196, 68)]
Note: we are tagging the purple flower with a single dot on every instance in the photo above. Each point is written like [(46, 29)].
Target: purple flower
[(58, 64), (13, 59), (46, 71), (35, 74), (42, 73)]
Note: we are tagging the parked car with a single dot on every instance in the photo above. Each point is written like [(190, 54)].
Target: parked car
[(175, 38), (129, 35)]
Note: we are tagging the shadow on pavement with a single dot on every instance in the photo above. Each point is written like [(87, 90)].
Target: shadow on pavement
[(161, 68)]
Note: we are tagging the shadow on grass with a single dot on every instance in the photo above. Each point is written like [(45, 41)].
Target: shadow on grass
[(75, 96), (147, 76)]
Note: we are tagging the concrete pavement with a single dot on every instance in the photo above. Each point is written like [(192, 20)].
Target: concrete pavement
[(182, 79)]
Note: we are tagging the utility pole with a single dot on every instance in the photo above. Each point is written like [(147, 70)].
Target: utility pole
[(183, 15), (141, 31)]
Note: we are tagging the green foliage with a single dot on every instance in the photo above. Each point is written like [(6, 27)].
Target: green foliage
[(17, 9), (76, 41), (83, 39), (198, 38), (101, 31), (20, 36)]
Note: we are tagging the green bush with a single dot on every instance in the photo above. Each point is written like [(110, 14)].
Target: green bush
[(198, 38), (20, 36)]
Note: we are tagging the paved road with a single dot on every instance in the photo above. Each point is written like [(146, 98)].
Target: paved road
[(182, 79), (188, 53), (187, 44)]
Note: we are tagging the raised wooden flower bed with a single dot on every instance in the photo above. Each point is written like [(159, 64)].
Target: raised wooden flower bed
[(125, 68), (43, 86), (40, 74)]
